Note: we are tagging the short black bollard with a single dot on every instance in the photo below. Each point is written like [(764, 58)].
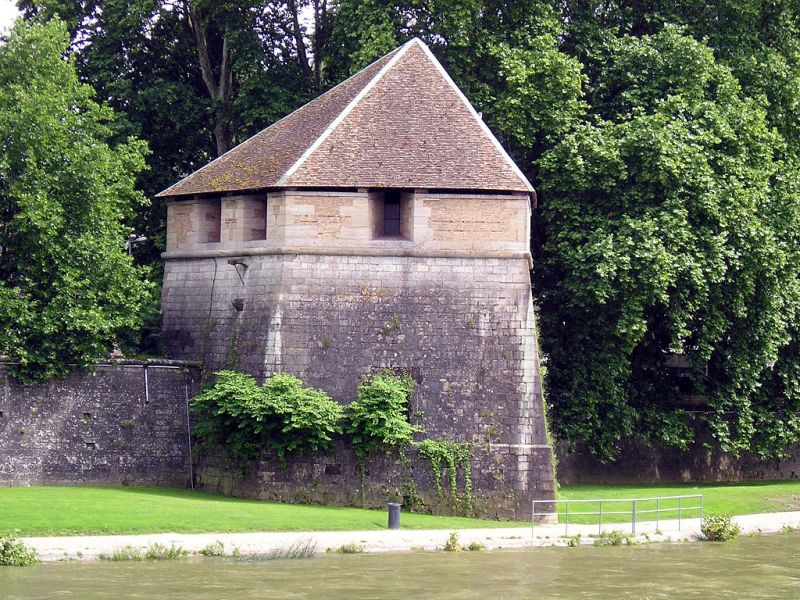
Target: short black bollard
[(394, 515)]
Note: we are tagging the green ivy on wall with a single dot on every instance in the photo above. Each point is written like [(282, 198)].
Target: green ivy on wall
[(452, 455)]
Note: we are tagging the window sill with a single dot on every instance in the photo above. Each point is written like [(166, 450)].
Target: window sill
[(390, 238)]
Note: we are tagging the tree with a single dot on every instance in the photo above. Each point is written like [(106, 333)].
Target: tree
[(67, 286), (671, 221), (192, 78)]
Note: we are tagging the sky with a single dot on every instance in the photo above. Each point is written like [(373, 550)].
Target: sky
[(8, 10)]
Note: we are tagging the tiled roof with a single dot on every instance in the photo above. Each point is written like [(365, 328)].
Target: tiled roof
[(400, 122)]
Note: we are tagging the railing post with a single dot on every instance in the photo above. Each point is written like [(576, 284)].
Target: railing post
[(679, 512), (600, 519), (533, 519), (701, 510), (566, 519), (657, 514), (633, 518)]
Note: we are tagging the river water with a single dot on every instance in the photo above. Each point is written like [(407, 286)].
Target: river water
[(758, 567)]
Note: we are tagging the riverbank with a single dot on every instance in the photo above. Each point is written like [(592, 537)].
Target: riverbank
[(403, 540)]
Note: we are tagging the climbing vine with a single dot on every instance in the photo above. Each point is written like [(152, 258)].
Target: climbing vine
[(451, 455)]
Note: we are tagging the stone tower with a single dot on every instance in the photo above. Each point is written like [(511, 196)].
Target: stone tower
[(380, 225)]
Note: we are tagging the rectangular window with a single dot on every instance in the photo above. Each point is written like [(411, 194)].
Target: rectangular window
[(391, 213), (212, 220), (255, 211)]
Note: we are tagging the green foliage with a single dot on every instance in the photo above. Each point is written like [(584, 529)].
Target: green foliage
[(612, 538), (124, 554), (155, 551), (281, 414), (453, 543), (572, 541), (67, 286), (14, 553), (719, 528), (350, 549), (475, 547), (158, 551), (299, 550), (452, 455), (143, 58), (669, 232), (214, 549), (378, 418)]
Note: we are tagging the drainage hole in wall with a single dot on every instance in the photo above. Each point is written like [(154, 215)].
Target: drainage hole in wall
[(91, 445)]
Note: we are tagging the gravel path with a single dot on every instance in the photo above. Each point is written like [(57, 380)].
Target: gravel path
[(89, 547)]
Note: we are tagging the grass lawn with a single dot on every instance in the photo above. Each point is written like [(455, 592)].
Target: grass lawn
[(718, 498), (105, 510), (116, 510)]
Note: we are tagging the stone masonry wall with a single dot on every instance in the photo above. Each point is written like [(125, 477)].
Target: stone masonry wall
[(462, 327), (335, 479), (346, 221), (103, 426), (639, 463)]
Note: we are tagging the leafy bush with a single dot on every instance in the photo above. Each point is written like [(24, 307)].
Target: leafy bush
[(299, 550), (453, 543), (124, 554), (158, 551), (379, 416), (350, 549), (154, 551), (215, 549), (475, 547), (14, 553), (719, 528), (282, 414), (612, 538)]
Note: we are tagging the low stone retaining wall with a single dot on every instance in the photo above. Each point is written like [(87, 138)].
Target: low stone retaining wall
[(640, 463), (498, 476), (120, 423)]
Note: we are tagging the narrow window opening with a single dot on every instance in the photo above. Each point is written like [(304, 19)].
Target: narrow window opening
[(212, 220), (257, 219), (391, 213), (392, 210)]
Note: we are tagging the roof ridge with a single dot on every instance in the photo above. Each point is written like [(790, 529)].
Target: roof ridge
[(396, 51), (347, 109), (481, 123)]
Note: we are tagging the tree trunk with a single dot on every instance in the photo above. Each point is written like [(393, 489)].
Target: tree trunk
[(320, 39), (300, 43), (220, 87)]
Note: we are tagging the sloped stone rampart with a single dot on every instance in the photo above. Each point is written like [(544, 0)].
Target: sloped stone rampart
[(463, 328)]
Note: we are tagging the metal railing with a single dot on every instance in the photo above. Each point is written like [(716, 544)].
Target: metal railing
[(684, 507)]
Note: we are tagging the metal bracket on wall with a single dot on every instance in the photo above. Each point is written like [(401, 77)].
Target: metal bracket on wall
[(236, 262)]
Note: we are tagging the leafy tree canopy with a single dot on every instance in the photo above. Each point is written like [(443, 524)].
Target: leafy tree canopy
[(670, 226), (67, 286)]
